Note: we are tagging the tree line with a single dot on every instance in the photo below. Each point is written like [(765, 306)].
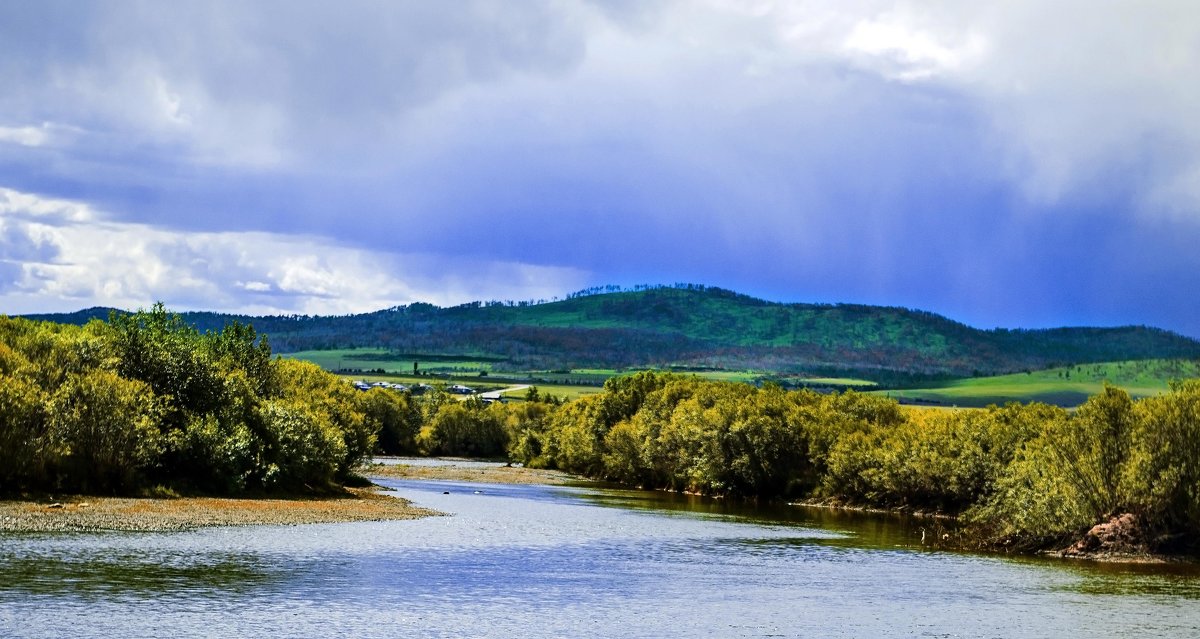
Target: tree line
[(1026, 476), (145, 400), (1022, 475)]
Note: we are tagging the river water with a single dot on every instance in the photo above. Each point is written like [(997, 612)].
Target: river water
[(540, 561)]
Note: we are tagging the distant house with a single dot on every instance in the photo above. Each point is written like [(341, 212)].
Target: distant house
[(459, 389), (366, 386)]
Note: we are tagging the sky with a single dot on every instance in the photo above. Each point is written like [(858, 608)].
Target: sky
[(1006, 164)]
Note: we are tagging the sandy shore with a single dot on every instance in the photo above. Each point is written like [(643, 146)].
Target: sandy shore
[(498, 474), (88, 514)]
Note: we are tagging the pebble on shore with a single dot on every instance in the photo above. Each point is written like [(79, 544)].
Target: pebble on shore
[(94, 514)]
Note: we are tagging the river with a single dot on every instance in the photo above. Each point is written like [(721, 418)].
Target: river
[(543, 561)]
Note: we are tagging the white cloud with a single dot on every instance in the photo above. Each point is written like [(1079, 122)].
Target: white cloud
[(695, 139), (1071, 89), (99, 262), (24, 135), (15, 204), (904, 54), (268, 84), (1081, 98)]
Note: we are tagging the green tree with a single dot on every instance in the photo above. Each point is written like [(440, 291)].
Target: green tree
[(1093, 453), (1164, 468), (22, 431), (307, 450), (1067, 478), (467, 428), (238, 347), (160, 349), (103, 430), (336, 402), (577, 432), (228, 451), (527, 424), (394, 416)]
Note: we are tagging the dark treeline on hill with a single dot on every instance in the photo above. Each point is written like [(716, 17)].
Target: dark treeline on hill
[(146, 400), (690, 325)]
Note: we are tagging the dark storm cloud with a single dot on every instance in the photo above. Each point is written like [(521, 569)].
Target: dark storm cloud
[(1016, 165)]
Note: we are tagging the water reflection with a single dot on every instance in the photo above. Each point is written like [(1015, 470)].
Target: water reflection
[(540, 561), (850, 528), (134, 575)]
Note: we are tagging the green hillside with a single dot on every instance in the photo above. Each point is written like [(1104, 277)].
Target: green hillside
[(696, 326), (1063, 386)]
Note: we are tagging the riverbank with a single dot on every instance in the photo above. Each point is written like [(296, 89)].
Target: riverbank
[(1116, 541), (94, 514), (471, 471)]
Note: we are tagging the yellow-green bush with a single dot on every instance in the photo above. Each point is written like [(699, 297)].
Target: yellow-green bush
[(22, 430), (103, 429), (469, 429), (1163, 472)]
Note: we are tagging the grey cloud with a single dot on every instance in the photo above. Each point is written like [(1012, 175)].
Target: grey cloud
[(747, 145), (309, 77), (19, 243)]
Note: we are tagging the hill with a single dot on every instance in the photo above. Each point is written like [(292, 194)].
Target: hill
[(704, 327)]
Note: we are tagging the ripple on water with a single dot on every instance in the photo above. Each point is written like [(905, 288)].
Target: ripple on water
[(536, 561)]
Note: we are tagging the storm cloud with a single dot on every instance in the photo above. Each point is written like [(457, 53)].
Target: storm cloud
[(1020, 164)]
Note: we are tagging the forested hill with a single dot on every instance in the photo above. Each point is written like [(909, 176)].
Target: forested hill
[(699, 326)]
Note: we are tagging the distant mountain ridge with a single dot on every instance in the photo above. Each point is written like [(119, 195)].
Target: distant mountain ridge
[(700, 326)]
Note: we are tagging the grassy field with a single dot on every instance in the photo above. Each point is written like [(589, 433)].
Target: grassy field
[(837, 381), (374, 359), (481, 384), (591, 376), (448, 369), (568, 392), (1064, 386)]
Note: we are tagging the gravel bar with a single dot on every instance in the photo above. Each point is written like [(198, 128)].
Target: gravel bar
[(472, 472), (93, 514)]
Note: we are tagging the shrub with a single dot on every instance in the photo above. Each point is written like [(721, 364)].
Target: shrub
[(465, 429), (22, 432), (104, 430), (394, 416), (306, 449), (1164, 466)]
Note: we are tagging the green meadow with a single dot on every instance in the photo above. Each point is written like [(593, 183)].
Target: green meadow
[(375, 359), (1062, 386), (599, 375), (836, 381), (558, 391)]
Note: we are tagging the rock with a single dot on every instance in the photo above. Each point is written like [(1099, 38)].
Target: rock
[(55, 505), (1122, 534)]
